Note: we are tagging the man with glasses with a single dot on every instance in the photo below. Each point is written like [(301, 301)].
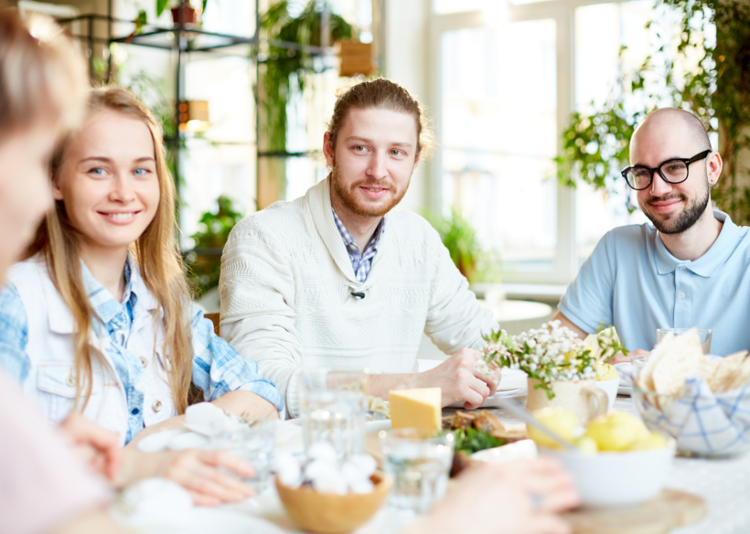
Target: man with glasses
[(688, 268)]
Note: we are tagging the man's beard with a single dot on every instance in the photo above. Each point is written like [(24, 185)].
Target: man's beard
[(681, 222), (350, 199)]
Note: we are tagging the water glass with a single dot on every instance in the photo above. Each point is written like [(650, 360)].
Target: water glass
[(419, 462), (254, 444), (705, 336), (336, 417), (639, 362)]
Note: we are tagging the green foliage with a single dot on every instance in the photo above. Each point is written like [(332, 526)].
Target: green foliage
[(284, 70), (215, 228), (471, 440), (595, 144), (475, 262), (161, 5)]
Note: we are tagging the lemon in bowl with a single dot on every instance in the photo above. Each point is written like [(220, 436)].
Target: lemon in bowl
[(608, 380), (619, 462)]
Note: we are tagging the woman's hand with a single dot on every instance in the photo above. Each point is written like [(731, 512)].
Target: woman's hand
[(99, 447), (200, 472)]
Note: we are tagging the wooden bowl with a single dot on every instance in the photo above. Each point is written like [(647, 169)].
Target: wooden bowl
[(327, 513)]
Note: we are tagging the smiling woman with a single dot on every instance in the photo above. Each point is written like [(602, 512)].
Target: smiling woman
[(104, 324)]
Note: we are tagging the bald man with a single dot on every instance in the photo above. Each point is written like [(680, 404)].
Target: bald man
[(688, 268)]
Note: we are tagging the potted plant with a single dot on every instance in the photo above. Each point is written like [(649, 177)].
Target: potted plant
[(182, 13)]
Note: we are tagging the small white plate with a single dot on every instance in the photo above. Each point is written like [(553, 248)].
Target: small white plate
[(625, 369), (492, 402)]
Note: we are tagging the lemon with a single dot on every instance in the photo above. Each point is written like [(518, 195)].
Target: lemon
[(586, 445), (617, 431), (606, 372), (654, 440), (560, 420)]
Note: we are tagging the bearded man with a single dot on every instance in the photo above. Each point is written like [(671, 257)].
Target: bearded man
[(690, 269), (337, 280)]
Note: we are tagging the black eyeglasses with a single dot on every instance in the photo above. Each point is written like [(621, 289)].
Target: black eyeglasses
[(672, 171)]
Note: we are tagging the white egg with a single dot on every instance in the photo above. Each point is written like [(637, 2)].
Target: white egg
[(363, 486), (331, 482), (364, 462), (320, 468), (282, 459), (290, 475), (322, 451), (352, 473)]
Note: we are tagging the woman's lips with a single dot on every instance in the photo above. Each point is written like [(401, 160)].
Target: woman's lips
[(120, 218)]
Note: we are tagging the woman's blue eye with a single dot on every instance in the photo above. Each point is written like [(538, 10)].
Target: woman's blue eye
[(141, 172), (97, 171)]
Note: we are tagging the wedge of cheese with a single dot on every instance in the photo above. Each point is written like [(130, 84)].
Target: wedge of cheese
[(416, 408)]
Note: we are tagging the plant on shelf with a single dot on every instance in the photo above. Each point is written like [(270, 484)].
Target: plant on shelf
[(475, 262), (595, 144), (284, 70), (204, 262), (183, 5)]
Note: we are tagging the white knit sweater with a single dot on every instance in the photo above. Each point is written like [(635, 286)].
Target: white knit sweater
[(286, 283)]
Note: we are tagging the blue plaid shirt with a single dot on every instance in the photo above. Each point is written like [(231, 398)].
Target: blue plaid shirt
[(217, 368), (361, 261)]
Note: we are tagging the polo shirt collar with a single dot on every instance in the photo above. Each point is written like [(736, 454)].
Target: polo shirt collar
[(712, 260)]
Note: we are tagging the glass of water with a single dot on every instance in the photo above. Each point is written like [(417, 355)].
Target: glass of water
[(419, 461), (704, 335), (254, 444), (336, 417)]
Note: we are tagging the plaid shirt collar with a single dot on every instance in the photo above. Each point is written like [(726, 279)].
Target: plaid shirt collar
[(361, 261)]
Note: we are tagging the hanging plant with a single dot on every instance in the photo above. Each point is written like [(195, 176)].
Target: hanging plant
[(595, 145), (285, 71)]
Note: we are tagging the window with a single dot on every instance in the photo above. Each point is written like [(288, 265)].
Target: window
[(507, 81)]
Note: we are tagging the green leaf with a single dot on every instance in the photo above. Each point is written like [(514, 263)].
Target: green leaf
[(161, 5)]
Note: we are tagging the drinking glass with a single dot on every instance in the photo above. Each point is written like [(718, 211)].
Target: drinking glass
[(254, 444), (705, 336), (639, 362), (336, 417), (419, 461)]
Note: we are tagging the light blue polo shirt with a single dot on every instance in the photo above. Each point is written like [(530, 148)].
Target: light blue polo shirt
[(633, 282)]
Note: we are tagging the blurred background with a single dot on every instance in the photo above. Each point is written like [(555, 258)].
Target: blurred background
[(532, 104)]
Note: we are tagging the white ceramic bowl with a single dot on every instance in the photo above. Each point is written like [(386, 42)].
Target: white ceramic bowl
[(617, 479), (610, 388)]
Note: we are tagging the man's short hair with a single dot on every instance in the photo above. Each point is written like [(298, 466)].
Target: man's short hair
[(691, 121), (382, 93)]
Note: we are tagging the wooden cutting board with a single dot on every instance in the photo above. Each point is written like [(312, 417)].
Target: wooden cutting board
[(671, 509)]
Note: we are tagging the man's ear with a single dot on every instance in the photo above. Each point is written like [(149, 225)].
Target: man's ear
[(328, 149), (713, 168)]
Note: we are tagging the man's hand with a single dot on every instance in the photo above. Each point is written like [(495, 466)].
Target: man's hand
[(459, 380), (203, 473), (99, 447), (522, 497)]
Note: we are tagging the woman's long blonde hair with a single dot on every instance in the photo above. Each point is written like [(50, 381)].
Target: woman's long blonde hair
[(155, 252)]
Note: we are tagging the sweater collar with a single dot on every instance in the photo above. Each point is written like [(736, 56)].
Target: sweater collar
[(319, 198)]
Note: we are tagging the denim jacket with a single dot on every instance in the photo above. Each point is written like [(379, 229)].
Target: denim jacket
[(130, 386)]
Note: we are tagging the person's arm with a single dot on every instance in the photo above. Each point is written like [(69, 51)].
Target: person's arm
[(522, 497), (257, 306), (13, 334), (43, 483), (96, 521), (98, 447), (588, 301), (456, 323), (564, 321)]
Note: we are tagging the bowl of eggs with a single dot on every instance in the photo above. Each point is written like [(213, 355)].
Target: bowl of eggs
[(327, 495)]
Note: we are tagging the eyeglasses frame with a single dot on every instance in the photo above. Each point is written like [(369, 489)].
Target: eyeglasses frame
[(686, 161)]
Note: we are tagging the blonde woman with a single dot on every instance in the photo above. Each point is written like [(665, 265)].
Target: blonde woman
[(99, 317)]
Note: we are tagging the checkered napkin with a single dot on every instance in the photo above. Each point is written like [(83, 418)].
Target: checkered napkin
[(702, 421)]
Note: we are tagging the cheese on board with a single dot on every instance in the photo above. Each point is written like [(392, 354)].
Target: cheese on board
[(416, 408)]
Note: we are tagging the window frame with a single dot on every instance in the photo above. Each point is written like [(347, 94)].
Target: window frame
[(566, 265)]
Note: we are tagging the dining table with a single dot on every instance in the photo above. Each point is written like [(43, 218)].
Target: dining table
[(724, 484)]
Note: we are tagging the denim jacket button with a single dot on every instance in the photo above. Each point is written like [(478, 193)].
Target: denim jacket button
[(156, 406), (70, 381), (144, 363)]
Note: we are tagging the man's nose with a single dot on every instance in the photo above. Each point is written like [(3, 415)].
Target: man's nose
[(659, 187), (377, 168)]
